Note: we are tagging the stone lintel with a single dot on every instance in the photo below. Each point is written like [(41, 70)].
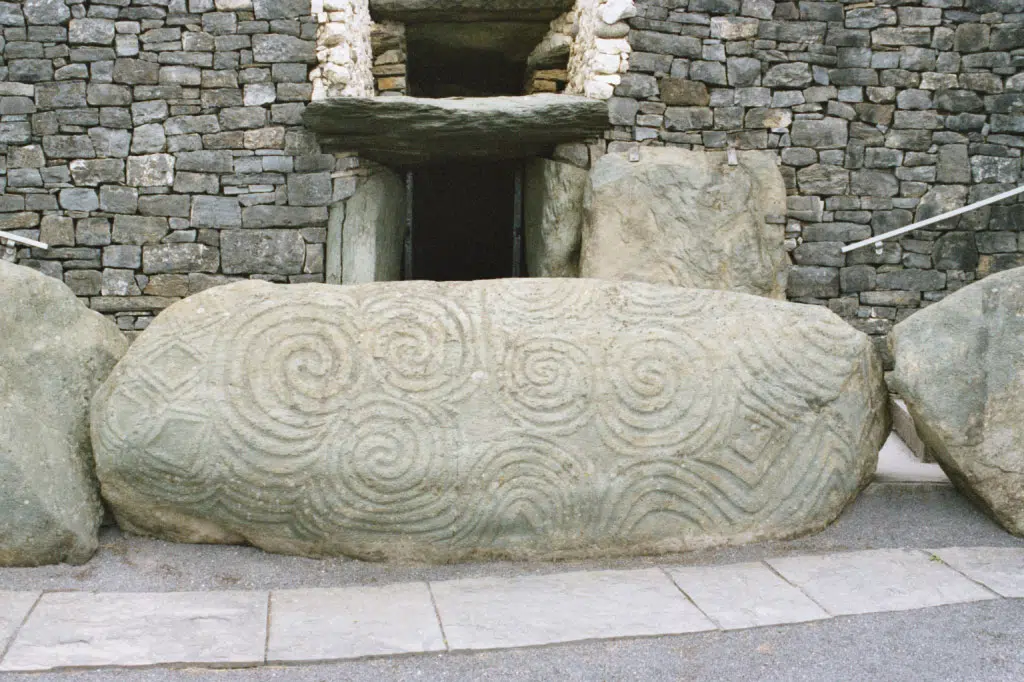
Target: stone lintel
[(415, 11), (404, 131)]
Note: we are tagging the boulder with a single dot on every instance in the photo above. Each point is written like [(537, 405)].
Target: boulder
[(960, 369), (553, 217), (54, 352), (687, 218), (501, 418), (402, 131)]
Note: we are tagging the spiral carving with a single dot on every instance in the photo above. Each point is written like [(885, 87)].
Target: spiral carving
[(664, 390), (547, 382), (529, 488), (287, 370), (535, 300), (390, 466), (422, 346)]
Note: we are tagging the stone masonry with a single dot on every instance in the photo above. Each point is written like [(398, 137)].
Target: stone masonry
[(882, 113), (158, 147)]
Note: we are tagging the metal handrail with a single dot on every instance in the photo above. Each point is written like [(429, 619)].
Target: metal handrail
[(8, 237), (932, 221)]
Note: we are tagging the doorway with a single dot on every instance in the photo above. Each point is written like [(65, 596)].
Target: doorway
[(465, 222)]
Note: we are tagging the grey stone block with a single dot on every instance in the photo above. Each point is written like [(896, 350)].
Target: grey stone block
[(139, 230), (79, 199), (283, 216), (91, 31), (809, 281), (268, 48), (826, 133), (270, 252), (216, 212), (310, 189), (151, 170), (179, 258), (115, 199)]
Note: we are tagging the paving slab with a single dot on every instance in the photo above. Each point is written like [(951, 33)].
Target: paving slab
[(878, 580), (14, 606), (78, 629), (1000, 569), (352, 622), (488, 613), (745, 595)]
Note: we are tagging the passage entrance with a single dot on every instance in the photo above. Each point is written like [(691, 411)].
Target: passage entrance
[(465, 221)]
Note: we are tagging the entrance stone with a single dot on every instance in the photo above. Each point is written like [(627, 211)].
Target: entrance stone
[(960, 368), (687, 218), (553, 218), (515, 418), (54, 352)]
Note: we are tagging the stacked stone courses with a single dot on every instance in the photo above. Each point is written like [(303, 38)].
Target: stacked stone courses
[(157, 146), (882, 113)]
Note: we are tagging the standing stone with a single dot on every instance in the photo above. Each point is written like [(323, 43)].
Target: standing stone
[(54, 352), (960, 368), (553, 218), (521, 418), (373, 233), (686, 218)]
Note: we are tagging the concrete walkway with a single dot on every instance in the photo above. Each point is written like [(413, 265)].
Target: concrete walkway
[(66, 630)]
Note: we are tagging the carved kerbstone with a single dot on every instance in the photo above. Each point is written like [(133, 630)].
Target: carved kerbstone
[(518, 418)]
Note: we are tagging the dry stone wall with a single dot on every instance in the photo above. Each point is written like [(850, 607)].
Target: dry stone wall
[(157, 146), (881, 114)]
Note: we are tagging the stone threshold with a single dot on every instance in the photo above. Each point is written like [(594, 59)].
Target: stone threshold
[(74, 630)]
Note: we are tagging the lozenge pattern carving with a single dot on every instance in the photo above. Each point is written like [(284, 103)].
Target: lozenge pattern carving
[(516, 418)]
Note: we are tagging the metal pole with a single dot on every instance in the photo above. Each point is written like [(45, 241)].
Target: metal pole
[(932, 221)]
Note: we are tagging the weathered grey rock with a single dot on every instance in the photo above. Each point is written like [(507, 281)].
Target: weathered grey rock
[(959, 366), (520, 418), (272, 47), (553, 218), (54, 353), (406, 130), (468, 10), (263, 252), (686, 218), (373, 233), (46, 11)]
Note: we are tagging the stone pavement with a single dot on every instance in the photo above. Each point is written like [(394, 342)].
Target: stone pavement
[(58, 630)]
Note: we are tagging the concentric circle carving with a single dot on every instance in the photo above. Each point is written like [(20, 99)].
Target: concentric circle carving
[(547, 382)]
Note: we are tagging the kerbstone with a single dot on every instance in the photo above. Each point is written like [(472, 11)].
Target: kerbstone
[(431, 425), (878, 580), (141, 629), (958, 366), (1000, 569), (331, 624), (54, 354), (490, 613), (690, 220)]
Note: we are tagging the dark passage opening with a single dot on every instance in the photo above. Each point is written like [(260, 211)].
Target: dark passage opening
[(464, 219), (483, 59)]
